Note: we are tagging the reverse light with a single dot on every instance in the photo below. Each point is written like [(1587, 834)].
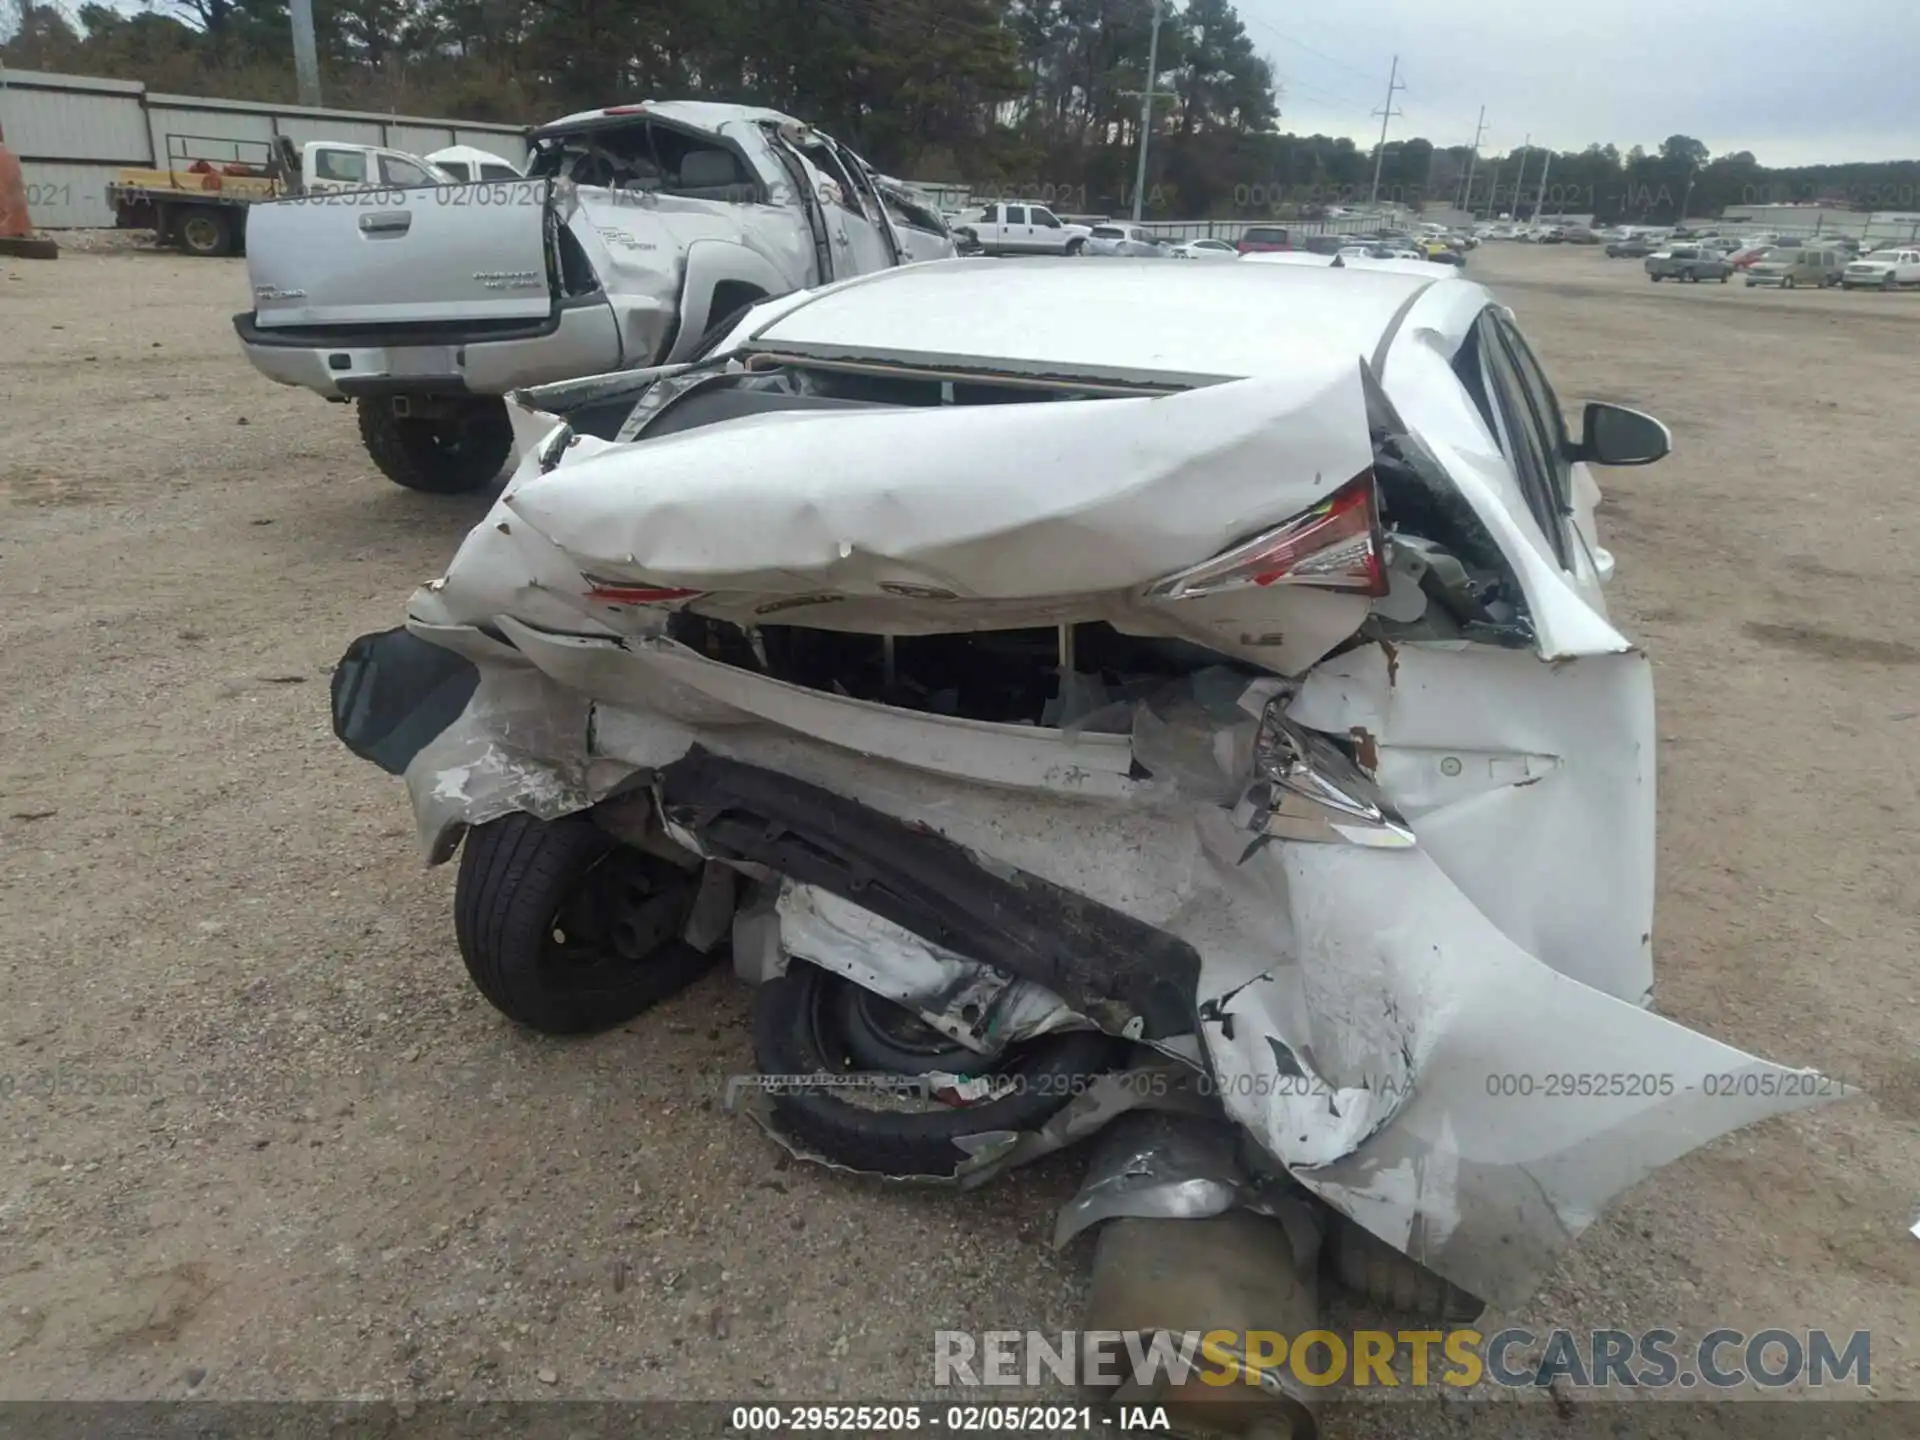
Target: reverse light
[(1337, 545)]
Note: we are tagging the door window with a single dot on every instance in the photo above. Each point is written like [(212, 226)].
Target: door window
[(395, 171), (1528, 424), (342, 167), (1044, 216), (1016, 214)]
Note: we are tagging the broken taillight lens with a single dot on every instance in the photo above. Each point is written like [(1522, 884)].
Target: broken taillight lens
[(613, 592), (1337, 545)]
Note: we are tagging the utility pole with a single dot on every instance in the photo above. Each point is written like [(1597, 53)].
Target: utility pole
[(1692, 171), (1146, 112), (1386, 114), (306, 57), (1520, 179), (1473, 157), (1540, 200)]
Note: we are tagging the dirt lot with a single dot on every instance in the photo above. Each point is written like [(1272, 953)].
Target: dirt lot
[(290, 1152)]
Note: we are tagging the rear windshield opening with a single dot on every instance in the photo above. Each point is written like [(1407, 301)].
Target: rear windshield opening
[(650, 158)]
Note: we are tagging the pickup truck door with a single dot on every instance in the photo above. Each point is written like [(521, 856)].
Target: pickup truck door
[(431, 254), (856, 224), (1045, 233), (1016, 231)]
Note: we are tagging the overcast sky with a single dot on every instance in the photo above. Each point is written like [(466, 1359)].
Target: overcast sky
[(1794, 81)]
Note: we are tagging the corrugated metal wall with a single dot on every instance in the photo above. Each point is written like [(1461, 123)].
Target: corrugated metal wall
[(73, 132)]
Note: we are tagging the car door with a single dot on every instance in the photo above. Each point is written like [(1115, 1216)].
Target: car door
[(1527, 420), (1016, 231), (1045, 231), (856, 224)]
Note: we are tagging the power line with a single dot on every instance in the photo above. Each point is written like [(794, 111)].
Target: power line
[(1302, 45)]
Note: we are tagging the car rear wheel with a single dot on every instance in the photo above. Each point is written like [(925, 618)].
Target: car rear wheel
[(810, 1022), (461, 446), (566, 931)]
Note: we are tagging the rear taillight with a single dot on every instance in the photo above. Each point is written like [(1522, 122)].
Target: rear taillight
[(612, 592), (1337, 545)]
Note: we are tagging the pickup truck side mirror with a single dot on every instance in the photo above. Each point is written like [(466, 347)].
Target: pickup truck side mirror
[(1615, 435)]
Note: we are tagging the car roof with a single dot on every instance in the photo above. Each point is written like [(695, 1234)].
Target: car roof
[(694, 114), (1119, 319)]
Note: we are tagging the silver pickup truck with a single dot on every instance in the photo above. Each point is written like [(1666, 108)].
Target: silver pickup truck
[(638, 231)]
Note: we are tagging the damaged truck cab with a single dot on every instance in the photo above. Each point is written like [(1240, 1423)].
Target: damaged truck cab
[(636, 232), (1084, 691)]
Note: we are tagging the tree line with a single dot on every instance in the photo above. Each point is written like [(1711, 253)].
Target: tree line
[(1032, 97)]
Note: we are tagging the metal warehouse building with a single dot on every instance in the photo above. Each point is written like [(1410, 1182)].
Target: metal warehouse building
[(73, 133)]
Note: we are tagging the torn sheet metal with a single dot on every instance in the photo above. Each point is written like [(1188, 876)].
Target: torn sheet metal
[(1529, 783), (1370, 1023), (944, 499), (983, 1008), (1466, 1103)]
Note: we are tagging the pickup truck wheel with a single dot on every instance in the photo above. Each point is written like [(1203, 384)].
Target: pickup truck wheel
[(462, 448), (1887, 281), (1074, 247), (566, 931), (205, 232)]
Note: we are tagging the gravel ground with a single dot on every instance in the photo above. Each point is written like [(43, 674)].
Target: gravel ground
[(291, 1153)]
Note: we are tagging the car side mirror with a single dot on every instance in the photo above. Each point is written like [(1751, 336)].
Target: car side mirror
[(1615, 435)]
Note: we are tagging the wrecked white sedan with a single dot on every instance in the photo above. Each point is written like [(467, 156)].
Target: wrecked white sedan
[(1082, 691)]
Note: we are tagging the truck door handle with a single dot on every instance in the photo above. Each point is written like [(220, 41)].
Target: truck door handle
[(387, 222)]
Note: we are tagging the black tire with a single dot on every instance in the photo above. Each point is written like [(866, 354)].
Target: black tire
[(1654, 276), (797, 1030), (565, 930), (1786, 282), (1889, 282), (450, 454), (1075, 247), (205, 232)]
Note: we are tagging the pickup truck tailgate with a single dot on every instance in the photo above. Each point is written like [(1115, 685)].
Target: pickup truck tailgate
[(373, 257)]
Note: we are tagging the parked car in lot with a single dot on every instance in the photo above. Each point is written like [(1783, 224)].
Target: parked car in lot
[(1883, 270), (1114, 239), (1202, 250), (1814, 265), (638, 230), (1688, 262), (1256, 238), (1749, 255), (1633, 247)]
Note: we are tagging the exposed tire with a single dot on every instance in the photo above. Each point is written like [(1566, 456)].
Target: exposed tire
[(1888, 282), (205, 232), (1654, 278), (450, 454), (566, 931), (1786, 282), (801, 1026), (1076, 247), (1370, 1268)]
